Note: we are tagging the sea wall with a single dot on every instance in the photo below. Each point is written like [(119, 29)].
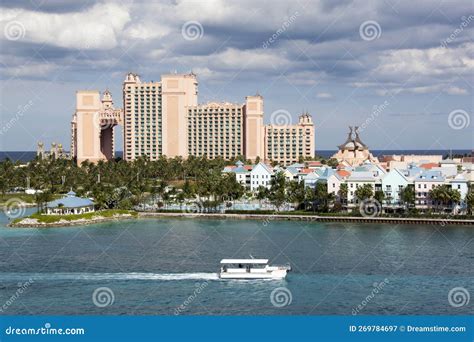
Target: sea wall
[(349, 219)]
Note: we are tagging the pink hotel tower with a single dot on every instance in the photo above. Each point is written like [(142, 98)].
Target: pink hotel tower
[(164, 118)]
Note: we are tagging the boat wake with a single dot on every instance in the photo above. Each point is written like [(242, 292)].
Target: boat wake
[(106, 276)]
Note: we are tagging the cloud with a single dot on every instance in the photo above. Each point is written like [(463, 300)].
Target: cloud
[(98, 27), (324, 96), (437, 61), (34, 70)]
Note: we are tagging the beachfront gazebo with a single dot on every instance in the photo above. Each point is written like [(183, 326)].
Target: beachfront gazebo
[(69, 205)]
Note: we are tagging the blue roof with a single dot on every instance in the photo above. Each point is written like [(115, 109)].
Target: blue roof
[(70, 201), (240, 169), (431, 176)]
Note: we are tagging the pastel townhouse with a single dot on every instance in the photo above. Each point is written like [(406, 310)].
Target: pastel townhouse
[(241, 171), (367, 174), (333, 179), (424, 182), (290, 173), (260, 175), (302, 174), (460, 183), (311, 179), (393, 183)]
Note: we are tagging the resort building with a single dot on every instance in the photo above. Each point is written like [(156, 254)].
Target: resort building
[(69, 205), (288, 144), (164, 119), (425, 182), (92, 126), (354, 152), (56, 151), (216, 129), (155, 115)]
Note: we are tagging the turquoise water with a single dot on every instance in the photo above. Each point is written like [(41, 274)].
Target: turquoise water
[(168, 266)]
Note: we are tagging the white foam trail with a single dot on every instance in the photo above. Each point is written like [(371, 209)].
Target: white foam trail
[(107, 276)]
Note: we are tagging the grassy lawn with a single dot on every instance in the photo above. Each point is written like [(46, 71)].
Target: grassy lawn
[(86, 216), (21, 196)]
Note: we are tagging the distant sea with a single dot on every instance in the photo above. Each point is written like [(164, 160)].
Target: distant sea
[(25, 156)]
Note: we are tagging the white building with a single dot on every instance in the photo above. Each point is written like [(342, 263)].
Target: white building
[(260, 175)]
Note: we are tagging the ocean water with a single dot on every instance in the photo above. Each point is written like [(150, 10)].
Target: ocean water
[(25, 156), (168, 267)]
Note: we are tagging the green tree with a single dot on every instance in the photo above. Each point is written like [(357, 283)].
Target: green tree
[(407, 196), (322, 199), (343, 191), (295, 192), (470, 199), (276, 194), (364, 192), (379, 196)]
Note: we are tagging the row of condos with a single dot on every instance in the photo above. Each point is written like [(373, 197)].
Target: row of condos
[(422, 177), (164, 118)]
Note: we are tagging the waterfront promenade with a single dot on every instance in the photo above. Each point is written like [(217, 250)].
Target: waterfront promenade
[(33, 223), (355, 219)]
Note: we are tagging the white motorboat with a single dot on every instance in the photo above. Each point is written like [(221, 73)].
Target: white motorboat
[(251, 269)]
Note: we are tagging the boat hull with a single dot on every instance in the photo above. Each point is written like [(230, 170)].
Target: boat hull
[(279, 274)]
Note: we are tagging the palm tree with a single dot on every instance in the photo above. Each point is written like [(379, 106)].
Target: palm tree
[(407, 196), (276, 194), (343, 191)]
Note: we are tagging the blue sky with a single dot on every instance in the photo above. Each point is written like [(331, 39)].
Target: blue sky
[(403, 70)]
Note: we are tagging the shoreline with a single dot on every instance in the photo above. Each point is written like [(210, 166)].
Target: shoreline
[(315, 218), (65, 223), (260, 217)]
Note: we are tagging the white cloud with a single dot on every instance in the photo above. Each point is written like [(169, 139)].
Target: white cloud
[(456, 91), (30, 70), (99, 27), (438, 88), (146, 31), (324, 96), (430, 62)]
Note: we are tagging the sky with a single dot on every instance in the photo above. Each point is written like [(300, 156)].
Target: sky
[(400, 70)]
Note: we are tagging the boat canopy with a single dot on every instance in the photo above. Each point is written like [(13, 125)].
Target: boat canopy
[(244, 261)]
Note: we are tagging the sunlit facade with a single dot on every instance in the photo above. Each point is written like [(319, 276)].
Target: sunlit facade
[(163, 118)]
